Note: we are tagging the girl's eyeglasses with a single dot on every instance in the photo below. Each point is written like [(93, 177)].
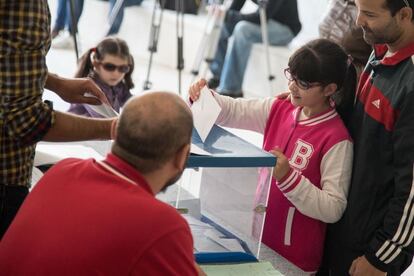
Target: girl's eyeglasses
[(305, 85), (112, 67)]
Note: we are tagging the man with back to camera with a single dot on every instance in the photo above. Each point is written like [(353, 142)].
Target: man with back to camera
[(101, 217), (375, 234)]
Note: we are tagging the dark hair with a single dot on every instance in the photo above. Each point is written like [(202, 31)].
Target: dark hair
[(354, 44), (324, 61), (395, 5), (109, 46), (149, 135)]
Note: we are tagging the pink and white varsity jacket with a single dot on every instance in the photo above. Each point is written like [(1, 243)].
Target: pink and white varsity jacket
[(314, 191)]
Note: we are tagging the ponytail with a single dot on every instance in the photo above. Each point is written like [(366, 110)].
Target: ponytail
[(344, 98), (128, 76), (85, 64)]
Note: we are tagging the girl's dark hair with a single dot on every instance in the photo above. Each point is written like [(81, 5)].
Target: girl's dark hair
[(324, 61), (109, 46)]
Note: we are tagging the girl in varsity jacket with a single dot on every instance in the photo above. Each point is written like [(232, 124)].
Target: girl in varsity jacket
[(313, 148)]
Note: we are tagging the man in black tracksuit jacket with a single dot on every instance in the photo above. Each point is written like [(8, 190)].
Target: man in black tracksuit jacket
[(375, 234)]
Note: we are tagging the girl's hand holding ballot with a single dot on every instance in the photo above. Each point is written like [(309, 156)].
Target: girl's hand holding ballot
[(195, 89)]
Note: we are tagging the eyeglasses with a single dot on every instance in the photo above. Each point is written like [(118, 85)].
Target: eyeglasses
[(112, 67), (406, 3), (305, 85)]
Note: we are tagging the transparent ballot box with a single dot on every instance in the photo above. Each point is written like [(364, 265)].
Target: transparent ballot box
[(223, 196)]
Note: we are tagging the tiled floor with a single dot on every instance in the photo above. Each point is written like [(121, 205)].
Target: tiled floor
[(135, 30)]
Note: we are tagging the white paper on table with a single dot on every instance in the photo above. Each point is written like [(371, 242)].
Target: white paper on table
[(205, 113), (195, 222), (231, 244), (52, 153), (36, 175), (197, 150), (203, 243)]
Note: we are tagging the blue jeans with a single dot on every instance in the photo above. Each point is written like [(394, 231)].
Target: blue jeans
[(63, 16), (230, 62), (116, 25)]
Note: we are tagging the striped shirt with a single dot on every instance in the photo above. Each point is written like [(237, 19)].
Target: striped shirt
[(25, 119)]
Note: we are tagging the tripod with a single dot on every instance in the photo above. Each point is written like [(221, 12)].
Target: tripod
[(156, 20), (209, 41), (265, 38), (74, 27), (211, 36), (114, 13)]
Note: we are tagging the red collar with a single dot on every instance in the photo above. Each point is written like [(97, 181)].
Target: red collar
[(395, 58), (127, 170)]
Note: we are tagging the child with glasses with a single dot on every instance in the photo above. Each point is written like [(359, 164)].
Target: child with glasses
[(313, 148), (110, 65)]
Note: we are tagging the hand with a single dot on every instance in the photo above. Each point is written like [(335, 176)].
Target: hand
[(282, 164), (195, 89), (73, 90), (361, 267)]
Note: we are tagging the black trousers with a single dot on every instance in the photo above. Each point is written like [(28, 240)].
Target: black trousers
[(11, 198)]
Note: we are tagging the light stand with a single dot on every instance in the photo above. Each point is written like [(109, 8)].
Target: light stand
[(156, 20), (114, 13), (265, 37), (209, 42), (154, 35), (74, 27), (179, 7)]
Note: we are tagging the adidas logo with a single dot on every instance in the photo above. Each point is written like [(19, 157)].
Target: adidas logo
[(377, 103)]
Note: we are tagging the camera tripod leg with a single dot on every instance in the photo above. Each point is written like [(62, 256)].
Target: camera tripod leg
[(209, 43), (74, 27), (179, 7), (114, 13), (265, 38), (156, 20)]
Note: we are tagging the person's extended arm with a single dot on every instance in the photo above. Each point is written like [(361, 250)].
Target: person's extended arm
[(68, 127), (73, 90), (250, 114)]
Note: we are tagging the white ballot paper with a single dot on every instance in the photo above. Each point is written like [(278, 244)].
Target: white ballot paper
[(205, 112), (197, 150), (104, 110), (230, 244), (36, 175), (47, 154)]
